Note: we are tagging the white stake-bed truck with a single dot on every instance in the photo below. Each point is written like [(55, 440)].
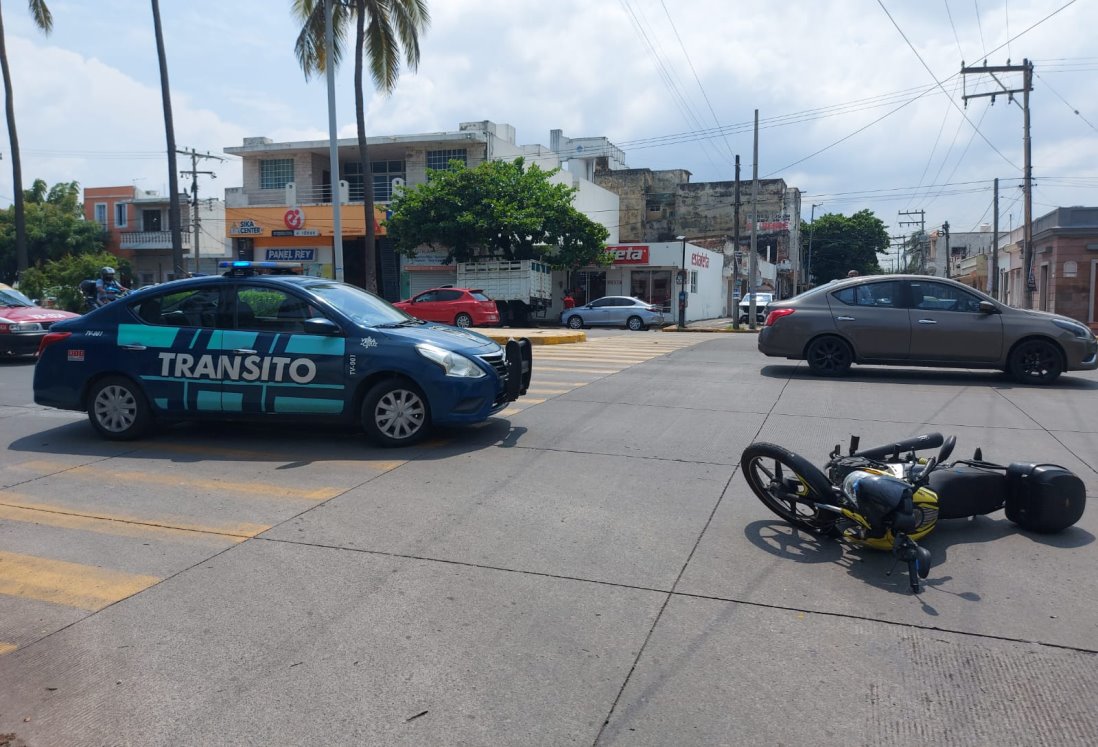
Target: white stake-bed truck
[(522, 289)]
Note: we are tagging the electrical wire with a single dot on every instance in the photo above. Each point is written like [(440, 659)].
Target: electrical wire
[(954, 27), (1069, 106)]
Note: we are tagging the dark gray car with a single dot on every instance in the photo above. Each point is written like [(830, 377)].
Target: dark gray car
[(613, 311), (914, 320)]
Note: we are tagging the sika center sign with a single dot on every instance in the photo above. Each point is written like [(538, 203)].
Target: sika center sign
[(629, 255)]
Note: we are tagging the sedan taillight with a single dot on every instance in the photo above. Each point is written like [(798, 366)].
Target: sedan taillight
[(50, 338), (777, 314)]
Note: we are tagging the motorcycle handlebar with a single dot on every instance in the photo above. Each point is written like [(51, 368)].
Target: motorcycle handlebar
[(917, 443)]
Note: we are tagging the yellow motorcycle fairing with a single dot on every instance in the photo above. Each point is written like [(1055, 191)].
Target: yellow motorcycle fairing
[(926, 513)]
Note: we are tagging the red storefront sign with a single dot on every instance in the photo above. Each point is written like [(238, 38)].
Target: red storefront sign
[(629, 255)]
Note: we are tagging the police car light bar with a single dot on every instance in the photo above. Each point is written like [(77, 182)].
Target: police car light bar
[(246, 267)]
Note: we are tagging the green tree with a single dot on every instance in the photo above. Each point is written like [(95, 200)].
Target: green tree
[(61, 277), (54, 226), (382, 29), (497, 209), (169, 133), (44, 21), (841, 244)]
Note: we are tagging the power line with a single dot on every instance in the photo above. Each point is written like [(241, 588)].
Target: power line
[(1069, 106)]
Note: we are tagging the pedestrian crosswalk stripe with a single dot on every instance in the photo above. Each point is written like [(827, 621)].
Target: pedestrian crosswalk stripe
[(264, 490), (71, 584), (15, 508)]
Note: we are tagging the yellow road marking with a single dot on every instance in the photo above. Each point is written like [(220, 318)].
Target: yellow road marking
[(539, 390), (116, 524), (6, 648), (266, 490), (578, 369), (249, 455), (70, 584), (508, 411), (565, 383)]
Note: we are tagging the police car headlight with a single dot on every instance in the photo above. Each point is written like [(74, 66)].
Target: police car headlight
[(453, 364)]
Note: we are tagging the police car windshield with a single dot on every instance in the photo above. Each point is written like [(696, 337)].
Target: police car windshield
[(362, 307)]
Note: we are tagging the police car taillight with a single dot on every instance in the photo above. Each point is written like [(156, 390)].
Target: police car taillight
[(50, 338), (777, 314)]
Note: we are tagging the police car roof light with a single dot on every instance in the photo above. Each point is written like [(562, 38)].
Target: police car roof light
[(240, 267)]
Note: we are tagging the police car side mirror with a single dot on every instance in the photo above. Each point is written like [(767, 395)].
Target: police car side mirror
[(321, 326)]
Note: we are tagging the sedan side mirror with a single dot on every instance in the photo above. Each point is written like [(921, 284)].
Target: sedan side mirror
[(987, 307), (321, 326)]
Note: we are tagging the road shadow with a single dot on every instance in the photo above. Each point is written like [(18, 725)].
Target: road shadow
[(925, 376), (17, 361), (284, 446)]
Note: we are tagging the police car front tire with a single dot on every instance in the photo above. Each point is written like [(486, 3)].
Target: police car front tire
[(117, 409), (395, 413)]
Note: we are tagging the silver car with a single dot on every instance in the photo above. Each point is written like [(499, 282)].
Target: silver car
[(614, 311), (914, 320)]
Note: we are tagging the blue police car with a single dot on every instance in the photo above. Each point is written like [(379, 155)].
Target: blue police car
[(261, 343)]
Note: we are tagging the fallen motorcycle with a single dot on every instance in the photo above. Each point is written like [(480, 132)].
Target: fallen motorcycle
[(888, 497)]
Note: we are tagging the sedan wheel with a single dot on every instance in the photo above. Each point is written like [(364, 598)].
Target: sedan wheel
[(635, 323), (829, 356), (117, 409), (575, 322), (395, 413), (463, 320), (1035, 362)]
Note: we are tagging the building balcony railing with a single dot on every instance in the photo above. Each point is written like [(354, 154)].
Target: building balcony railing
[(152, 240), (300, 194)]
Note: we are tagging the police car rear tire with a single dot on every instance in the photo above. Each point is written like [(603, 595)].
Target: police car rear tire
[(117, 409), (395, 413)]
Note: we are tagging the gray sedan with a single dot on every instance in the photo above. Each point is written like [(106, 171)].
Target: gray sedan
[(613, 311), (913, 320)]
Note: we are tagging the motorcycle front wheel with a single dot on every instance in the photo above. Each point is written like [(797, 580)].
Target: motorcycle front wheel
[(789, 485)]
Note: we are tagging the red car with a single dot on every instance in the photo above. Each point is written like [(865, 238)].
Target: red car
[(461, 307), (22, 324)]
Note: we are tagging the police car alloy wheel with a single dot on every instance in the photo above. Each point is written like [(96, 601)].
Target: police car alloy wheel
[(117, 409), (395, 413)]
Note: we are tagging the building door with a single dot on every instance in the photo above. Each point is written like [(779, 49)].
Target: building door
[(150, 220), (590, 285)]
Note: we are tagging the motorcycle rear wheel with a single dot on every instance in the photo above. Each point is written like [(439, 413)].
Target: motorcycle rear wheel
[(789, 485)]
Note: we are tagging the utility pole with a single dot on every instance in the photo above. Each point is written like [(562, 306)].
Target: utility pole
[(194, 172), (754, 263), (736, 253), (1026, 69), (945, 228), (995, 244), (811, 234), (921, 223)]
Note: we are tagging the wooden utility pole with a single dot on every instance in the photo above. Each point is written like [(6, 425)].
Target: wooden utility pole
[(945, 229), (1026, 68), (194, 172)]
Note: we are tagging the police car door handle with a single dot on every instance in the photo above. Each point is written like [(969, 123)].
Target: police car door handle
[(244, 351), (134, 347)]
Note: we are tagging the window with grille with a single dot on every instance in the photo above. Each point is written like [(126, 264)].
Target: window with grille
[(101, 213), (120, 214), (384, 172), (276, 173), (439, 160)]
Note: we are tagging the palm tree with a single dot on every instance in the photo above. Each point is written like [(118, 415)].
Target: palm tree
[(382, 29), (44, 21), (169, 132)]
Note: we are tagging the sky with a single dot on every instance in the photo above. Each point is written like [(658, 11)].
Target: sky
[(860, 101)]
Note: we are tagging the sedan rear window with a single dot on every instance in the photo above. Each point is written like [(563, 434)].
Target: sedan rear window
[(478, 296), (882, 295)]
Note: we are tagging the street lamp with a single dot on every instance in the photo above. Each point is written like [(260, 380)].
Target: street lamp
[(682, 285), (811, 230)]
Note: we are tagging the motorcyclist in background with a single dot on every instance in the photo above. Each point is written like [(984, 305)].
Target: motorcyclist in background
[(107, 288)]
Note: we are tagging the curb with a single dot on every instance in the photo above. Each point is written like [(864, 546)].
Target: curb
[(722, 330), (536, 336)]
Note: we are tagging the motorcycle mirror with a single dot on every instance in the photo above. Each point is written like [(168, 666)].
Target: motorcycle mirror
[(947, 449)]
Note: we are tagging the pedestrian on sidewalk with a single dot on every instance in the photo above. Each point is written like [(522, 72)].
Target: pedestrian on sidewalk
[(568, 301)]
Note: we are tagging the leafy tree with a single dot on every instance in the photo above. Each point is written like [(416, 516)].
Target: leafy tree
[(44, 21), (498, 209), (61, 277), (382, 29), (841, 244), (54, 226)]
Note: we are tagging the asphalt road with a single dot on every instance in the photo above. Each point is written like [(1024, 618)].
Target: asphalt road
[(588, 568)]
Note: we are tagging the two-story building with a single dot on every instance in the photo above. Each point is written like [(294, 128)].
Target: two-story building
[(284, 211), (136, 222)]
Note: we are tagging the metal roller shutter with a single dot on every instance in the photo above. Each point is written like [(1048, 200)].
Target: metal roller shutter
[(422, 280)]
